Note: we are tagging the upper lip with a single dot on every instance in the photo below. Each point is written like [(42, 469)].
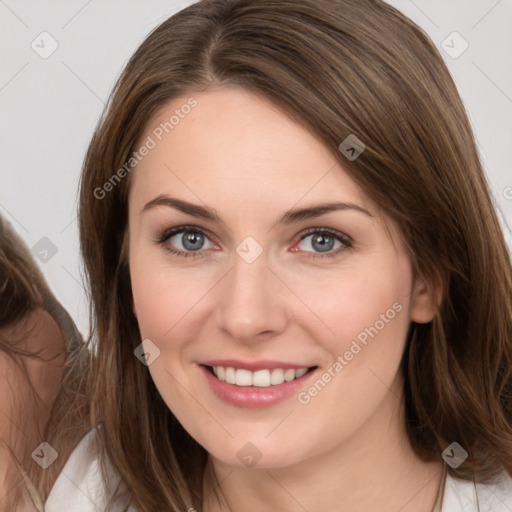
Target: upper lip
[(254, 366)]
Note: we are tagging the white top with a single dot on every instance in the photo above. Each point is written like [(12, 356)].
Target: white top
[(80, 487), (464, 496)]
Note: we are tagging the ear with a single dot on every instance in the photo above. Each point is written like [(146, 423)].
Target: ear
[(425, 300)]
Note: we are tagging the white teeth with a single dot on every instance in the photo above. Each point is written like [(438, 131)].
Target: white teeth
[(243, 377), (277, 376), (300, 373), (260, 378), (289, 375), (229, 375)]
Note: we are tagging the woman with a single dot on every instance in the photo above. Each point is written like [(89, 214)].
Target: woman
[(300, 289), (38, 343)]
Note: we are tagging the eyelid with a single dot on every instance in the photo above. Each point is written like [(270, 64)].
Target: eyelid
[(336, 234), (166, 234), (344, 239)]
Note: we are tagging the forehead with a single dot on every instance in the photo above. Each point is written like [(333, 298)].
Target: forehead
[(236, 145)]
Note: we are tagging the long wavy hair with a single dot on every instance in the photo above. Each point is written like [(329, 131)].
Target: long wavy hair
[(24, 289), (337, 67)]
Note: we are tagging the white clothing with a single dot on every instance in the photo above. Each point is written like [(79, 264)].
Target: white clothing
[(464, 496), (80, 488)]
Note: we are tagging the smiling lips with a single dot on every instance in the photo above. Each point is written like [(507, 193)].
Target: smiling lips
[(255, 384), (256, 373)]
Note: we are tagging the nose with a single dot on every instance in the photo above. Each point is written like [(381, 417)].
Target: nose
[(250, 305)]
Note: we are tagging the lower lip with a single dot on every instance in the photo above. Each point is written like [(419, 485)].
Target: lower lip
[(254, 396)]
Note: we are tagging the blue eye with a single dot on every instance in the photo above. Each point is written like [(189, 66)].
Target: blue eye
[(324, 241), (189, 241)]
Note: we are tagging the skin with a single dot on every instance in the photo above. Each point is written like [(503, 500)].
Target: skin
[(240, 155), (30, 386)]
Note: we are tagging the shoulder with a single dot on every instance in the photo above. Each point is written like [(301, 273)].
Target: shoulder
[(470, 497), (81, 486)]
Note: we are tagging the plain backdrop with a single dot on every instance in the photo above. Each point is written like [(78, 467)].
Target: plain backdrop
[(50, 105)]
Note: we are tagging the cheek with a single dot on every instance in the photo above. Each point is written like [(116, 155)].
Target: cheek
[(151, 301), (165, 298), (362, 303), (158, 302), (367, 314)]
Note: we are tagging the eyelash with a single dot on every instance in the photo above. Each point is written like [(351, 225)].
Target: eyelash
[(168, 233)]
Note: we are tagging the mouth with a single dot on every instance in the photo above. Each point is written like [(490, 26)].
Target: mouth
[(262, 378), (255, 384)]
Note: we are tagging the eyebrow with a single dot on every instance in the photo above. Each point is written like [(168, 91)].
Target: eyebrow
[(289, 217)]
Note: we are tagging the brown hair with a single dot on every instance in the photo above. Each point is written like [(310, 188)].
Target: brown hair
[(23, 289), (22, 282), (338, 68)]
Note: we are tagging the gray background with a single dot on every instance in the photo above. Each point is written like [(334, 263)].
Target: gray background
[(50, 106)]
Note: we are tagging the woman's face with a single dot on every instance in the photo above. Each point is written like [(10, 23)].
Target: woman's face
[(236, 264)]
